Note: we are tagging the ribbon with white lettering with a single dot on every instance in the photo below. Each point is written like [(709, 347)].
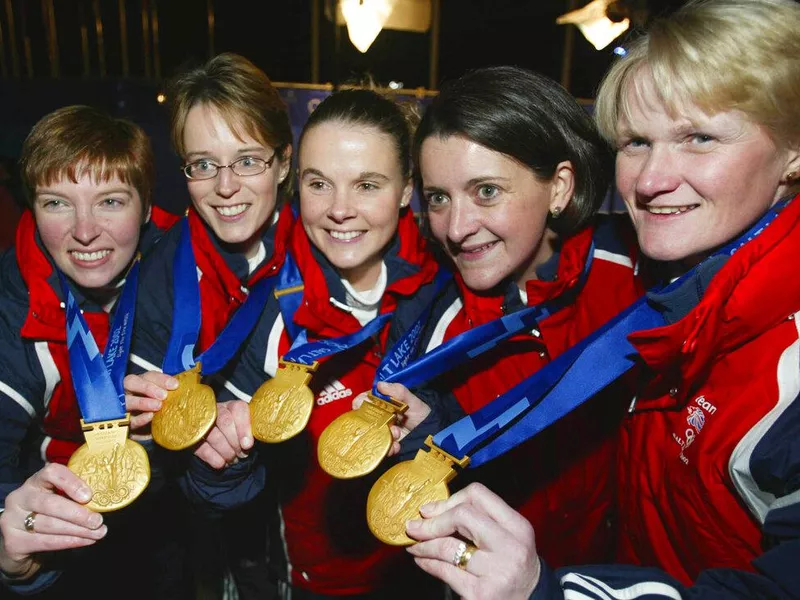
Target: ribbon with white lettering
[(97, 378)]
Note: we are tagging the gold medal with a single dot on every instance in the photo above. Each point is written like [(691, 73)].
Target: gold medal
[(400, 492), (188, 413), (281, 407), (115, 468), (356, 442)]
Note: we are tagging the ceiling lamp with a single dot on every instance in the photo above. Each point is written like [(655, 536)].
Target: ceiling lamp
[(594, 23), (365, 19)]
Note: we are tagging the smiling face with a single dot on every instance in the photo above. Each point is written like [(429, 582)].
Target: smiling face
[(694, 181), (235, 207), (489, 211), (90, 228), (351, 191)]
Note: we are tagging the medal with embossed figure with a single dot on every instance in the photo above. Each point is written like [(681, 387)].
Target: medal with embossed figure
[(356, 442), (400, 492), (115, 468), (281, 407), (187, 414)]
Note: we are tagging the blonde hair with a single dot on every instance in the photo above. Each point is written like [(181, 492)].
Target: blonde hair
[(78, 140), (244, 97), (717, 55)]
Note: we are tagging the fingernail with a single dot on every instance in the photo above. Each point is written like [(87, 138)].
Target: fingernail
[(242, 455), (247, 442), (103, 530), (84, 494), (426, 509), (413, 524), (162, 394), (172, 383), (95, 521)]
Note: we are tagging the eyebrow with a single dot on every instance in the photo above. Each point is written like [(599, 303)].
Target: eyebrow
[(483, 179), (311, 171), (101, 192), (247, 150), (372, 175)]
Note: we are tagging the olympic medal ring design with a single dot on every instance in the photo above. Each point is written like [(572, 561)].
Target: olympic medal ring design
[(30, 522)]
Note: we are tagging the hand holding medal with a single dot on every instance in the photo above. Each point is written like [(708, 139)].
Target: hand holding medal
[(189, 412)]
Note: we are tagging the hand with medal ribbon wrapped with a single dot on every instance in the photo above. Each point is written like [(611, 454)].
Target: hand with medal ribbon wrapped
[(281, 407), (374, 414), (517, 415), (189, 412), (115, 468)]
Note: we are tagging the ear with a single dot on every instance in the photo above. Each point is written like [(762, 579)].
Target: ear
[(408, 191), (563, 183), (286, 164), (792, 173)]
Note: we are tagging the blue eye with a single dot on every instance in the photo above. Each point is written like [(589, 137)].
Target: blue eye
[(701, 138), (487, 191)]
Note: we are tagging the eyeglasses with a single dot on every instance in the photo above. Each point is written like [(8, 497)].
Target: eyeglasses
[(243, 167)]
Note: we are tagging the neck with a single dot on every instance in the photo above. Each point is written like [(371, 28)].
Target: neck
[(543, 252), (363, 277)]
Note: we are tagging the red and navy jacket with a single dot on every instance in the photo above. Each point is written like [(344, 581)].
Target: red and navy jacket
[(223, 279), (562, 480), (329, 549), (710, 455), (40, 419)]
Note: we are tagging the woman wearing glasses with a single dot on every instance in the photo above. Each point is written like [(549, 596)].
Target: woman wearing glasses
[(231, 128), (359, 254), (232, 131)]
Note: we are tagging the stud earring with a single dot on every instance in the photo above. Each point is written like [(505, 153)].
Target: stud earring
[(555, 212), (791, 177)]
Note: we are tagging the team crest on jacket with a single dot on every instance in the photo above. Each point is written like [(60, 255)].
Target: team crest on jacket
[(696, 420), (696, 417)]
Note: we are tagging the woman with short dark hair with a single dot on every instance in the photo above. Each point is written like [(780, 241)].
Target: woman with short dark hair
[(512, 173)]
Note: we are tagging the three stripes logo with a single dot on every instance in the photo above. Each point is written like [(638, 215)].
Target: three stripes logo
[(333, 391)]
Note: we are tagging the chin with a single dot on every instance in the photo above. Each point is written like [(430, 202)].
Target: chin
[(480, 284)]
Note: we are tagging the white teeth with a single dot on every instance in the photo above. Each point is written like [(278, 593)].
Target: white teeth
[(479, 248), (345, 235), (668, 210), (90, 256), (231, 211)]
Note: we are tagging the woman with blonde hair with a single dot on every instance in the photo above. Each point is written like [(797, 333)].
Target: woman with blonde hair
[(705, 115)]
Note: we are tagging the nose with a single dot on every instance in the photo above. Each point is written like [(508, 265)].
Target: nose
[(658, 174), (86, 228), (463, 220), (341, 207), (227, 183)]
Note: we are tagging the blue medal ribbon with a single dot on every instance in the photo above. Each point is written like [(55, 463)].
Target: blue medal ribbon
[(97, 378), (471, 343), (567, 382), (186, 316), (396, 361), (290, 294)]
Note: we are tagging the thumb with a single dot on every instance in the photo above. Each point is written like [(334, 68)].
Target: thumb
[(359, 400), (417, 409)]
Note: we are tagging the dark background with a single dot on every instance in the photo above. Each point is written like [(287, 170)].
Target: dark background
[(275, 34)]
